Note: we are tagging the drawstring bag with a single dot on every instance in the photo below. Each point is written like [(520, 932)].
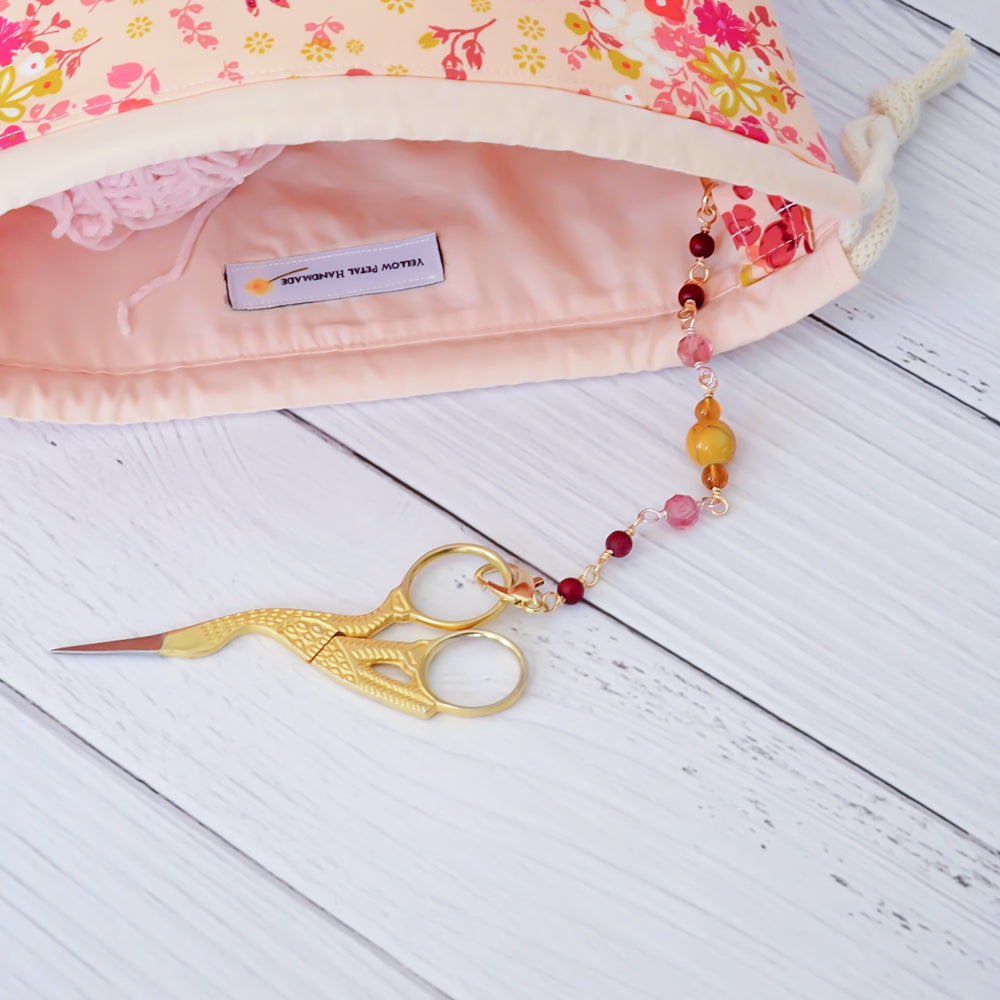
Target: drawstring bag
[(189, 231)]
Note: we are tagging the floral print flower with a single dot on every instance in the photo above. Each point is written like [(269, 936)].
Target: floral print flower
[(12, 135), (138, 27), (15, 90), (33, 66), (672, 10), (683, 42), (750, 126), (530, 27), (624, 65), (79, 35), (718, 21), (318, 50), (742, 225), (627, 95), (730, 86), (528, 57), (11, 34), (482, 6), (355, 46), (400, 6), (259, 42), (397, 70)]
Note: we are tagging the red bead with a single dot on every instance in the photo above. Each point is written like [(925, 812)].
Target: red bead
[(702, 245), (620, 543), (570, 590), (692, 293)]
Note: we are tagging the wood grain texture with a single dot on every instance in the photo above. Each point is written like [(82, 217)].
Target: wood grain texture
[(979, 20), (107, 892), (629, 830), (927, 304), (852, 590)]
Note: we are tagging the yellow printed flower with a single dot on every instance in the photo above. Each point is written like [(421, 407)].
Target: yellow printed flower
[(319, 50), (355, 46), (732, 88), (135, 3), (624, 65), (259, 42), (138, 27), (576, 24), (528, 57), (482, 6), (79, 35), (397, 70), (258, 286), (12, 95), (400, 6), (530, 27)]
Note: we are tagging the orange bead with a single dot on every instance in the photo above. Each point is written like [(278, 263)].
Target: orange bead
[(711, 442), (708, 409), (715, 477)]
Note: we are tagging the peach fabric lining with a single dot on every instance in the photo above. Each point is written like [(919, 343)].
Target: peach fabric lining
[(557, 266)]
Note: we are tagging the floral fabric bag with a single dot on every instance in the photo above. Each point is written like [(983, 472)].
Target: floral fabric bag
[(515, 203)]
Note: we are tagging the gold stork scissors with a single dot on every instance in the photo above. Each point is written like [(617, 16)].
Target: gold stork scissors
[(346, 647)]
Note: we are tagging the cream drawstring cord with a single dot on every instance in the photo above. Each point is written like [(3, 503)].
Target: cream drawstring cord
[(870, 145)]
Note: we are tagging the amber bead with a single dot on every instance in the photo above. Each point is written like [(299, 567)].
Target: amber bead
[(715, 476), (692, 293), (711, 442), (702, 245), (708, 409)]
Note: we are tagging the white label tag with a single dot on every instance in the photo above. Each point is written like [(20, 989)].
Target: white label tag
[(336, 274)]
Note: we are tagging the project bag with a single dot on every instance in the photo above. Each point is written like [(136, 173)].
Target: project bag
[(234, 205)]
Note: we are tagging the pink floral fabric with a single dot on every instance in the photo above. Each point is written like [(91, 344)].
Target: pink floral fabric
[(721, 63)]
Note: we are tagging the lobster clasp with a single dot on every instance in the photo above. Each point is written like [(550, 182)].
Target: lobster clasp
[(524, 590)]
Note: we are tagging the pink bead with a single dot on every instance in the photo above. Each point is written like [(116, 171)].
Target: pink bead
[(694, 349), (682, 511)]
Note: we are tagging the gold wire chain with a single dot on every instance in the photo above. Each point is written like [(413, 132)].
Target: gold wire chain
[(545, 602)]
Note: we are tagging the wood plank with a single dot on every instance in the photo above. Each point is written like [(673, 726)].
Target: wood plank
[(927, 304), (630, 829), (107, 891), (852, 589), (981, 21)]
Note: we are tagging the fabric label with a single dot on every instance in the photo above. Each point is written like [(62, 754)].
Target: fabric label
[(336, 274)]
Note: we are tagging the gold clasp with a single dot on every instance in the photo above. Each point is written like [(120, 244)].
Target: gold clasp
[(524, 591)]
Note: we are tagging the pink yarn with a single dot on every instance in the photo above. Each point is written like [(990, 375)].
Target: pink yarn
[(103, 214)]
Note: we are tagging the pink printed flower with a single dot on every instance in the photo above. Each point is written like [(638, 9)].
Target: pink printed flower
[(684, 42), (11, 136), (742, 225), (672, 10), (11, 39), (750, 126), (720, 22)]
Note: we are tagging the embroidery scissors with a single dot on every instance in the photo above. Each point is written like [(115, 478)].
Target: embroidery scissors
[(347, 647)]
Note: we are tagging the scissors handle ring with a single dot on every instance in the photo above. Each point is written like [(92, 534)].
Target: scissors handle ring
[(473, 711), (462, 549)]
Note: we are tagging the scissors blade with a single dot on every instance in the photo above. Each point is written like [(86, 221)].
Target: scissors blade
[(141, 644)]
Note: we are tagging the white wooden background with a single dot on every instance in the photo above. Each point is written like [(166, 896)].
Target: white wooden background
[(762, 763)]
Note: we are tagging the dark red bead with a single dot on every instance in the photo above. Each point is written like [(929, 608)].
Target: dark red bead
[(620, 543), (702, 245), (692, 293), (570, 590)]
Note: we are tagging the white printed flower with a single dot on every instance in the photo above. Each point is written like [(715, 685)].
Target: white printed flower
[(31, 67), (627, 95), (634, 29)]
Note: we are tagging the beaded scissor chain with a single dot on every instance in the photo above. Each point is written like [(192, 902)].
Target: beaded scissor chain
[(349, 649)]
